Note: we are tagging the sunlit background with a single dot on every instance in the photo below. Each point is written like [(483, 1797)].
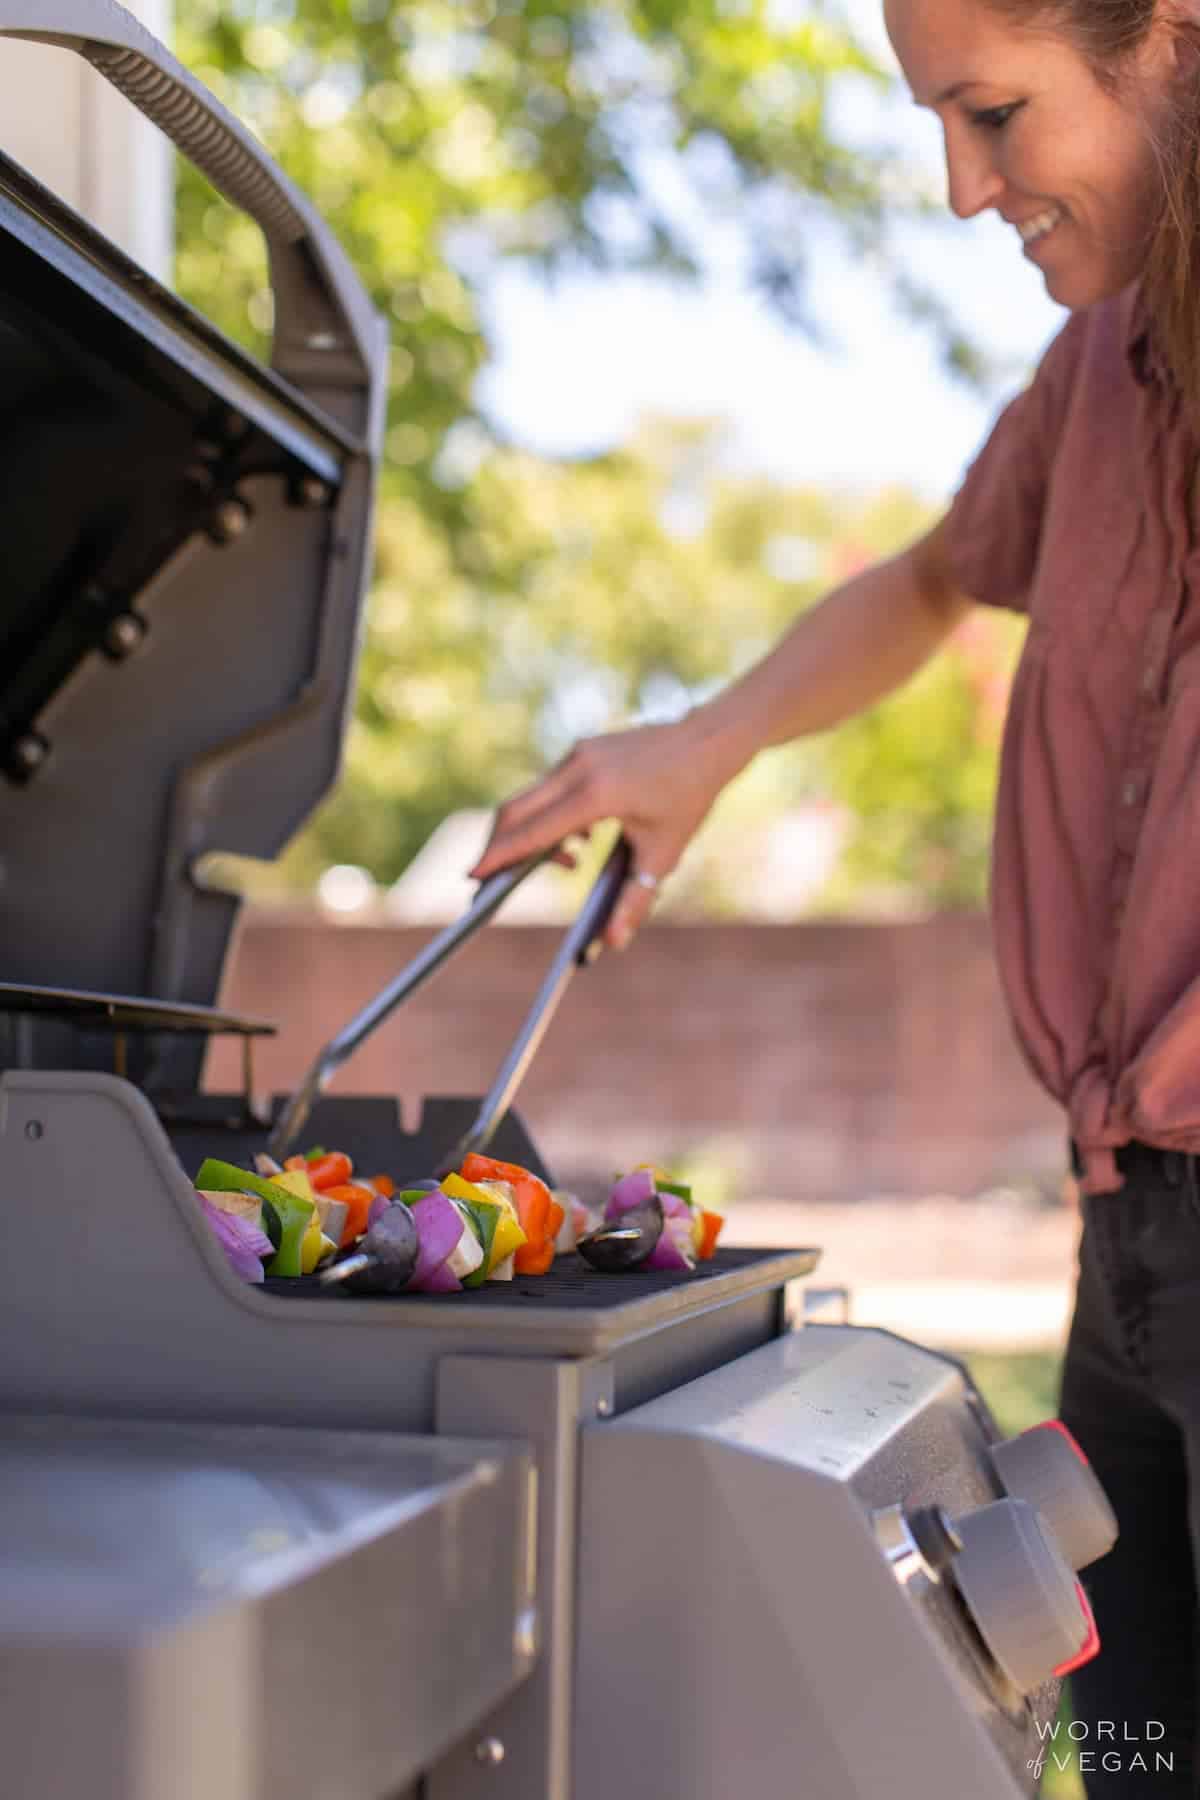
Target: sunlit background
[(683, 334), (574, 368)]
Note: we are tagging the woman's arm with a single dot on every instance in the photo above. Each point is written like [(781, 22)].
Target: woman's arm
[(865, 639)]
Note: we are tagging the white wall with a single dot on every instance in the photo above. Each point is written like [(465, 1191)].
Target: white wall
[(68, 127)]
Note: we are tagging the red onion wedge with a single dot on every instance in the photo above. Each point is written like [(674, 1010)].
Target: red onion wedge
[(439, 1227), (674, 1248), (442, 1280), (632, 1190), (243, 1241)]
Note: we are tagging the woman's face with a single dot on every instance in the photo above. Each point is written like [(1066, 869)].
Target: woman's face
[(1031, 133)]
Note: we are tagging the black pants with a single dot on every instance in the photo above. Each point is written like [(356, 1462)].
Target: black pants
[(1131, 1395)]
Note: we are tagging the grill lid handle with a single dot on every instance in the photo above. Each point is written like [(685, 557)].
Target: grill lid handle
[(326, 334)]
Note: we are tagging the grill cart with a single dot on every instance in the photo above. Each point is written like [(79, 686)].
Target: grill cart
[(646, 1534)]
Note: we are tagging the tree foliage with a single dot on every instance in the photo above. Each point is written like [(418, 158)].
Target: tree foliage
[(444, 135), (918, 776), (521, 603), (637, 584), (629, 586)]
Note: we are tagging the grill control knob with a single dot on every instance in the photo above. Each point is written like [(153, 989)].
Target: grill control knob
[(1045, 1466), (1030, 1610)]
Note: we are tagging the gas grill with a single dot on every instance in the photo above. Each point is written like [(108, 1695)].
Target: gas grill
[(579, 1535)]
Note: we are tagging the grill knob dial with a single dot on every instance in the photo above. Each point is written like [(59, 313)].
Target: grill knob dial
[(1045, 1466), (1028, 1607)]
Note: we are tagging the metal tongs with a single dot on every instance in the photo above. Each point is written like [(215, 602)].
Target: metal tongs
[(580, 944)]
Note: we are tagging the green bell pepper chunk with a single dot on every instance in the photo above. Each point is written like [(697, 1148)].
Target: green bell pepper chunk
[(677, 1188), (294, 1214), (224, 1178), (272, 1224), (484, 1218)]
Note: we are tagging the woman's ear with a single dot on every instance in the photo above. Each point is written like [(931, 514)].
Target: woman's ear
[(1171, 48), (1174, 19)]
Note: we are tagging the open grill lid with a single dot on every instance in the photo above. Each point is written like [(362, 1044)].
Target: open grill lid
[(186, 547)]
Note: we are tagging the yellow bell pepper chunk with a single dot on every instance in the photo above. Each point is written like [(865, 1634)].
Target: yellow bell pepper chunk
[(458, 1189), (313, 1246), (509, 1235), (507, 1241), (296, 1182)]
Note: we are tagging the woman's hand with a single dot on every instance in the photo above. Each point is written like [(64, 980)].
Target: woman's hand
[(859, 644), (659, 780)]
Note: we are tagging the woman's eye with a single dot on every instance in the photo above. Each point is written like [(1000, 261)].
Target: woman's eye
[(995, 118)]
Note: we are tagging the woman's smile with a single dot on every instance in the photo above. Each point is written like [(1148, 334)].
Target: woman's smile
[(1035, 230)]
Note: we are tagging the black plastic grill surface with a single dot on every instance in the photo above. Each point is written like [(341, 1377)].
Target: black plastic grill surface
[(571, 1283)]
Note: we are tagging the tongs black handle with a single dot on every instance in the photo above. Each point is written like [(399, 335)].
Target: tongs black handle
[(580, 942)]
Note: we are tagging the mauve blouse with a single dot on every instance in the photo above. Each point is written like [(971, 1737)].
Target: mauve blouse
[(1077, 511)]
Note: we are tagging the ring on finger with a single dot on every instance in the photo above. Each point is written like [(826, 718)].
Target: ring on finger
[(645, 879)]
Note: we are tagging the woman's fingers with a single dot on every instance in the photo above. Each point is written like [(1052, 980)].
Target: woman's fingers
[(510, 844), (628, 916), (545, 790), (556, 814), (569, 800), (567, 854), (652, 863), (648, 777)]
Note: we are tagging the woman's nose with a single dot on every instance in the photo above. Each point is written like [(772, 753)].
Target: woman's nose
[(973, 183)]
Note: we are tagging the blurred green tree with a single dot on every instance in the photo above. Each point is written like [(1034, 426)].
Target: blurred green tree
[(918, 777), (628, 585), (520, 604), (445, 135), (645, 579)]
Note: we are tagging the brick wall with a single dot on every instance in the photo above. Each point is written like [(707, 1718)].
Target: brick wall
[(819, 1059)]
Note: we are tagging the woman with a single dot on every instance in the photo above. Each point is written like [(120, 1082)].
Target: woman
[(1079, 125)]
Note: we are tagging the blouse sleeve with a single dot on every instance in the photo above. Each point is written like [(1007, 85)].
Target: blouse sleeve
[(995, 518)]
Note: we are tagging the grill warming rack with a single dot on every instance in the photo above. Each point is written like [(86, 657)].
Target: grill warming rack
[(123, 1014)]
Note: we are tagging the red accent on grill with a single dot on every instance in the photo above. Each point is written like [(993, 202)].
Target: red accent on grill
[(1091, 1643), (1064, 1431)]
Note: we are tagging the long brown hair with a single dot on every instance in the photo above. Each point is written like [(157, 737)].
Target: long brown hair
[(1108, 33), (1171, 279)]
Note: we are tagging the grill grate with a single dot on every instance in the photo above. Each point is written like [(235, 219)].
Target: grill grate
[(570, 1284)]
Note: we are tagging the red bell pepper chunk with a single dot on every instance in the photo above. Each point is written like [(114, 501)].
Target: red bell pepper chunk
[(477, 1167), (534, 1259), (534, 1208), (329, 1171), (359, 1201), (710, 1231)]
